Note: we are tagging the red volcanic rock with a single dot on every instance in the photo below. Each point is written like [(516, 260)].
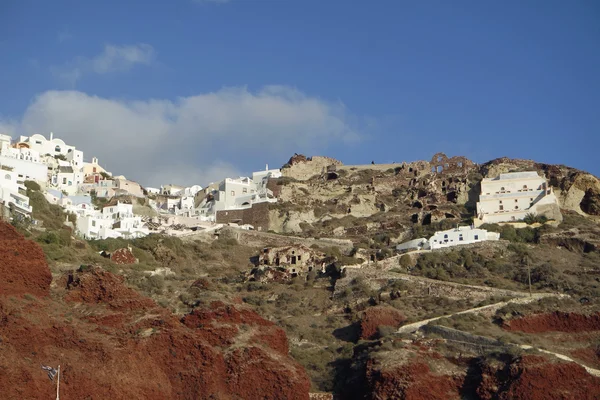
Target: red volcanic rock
[(123, 256), (590, 356), (97, 286), (113, 343), (23, 266), (539, 378), (556, 321), (374, 317), (413, 381)]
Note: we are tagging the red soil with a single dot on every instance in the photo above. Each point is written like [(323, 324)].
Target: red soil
[(23, 267), (123, 257), (556, 321), (374, 317), (413, 381), (113, 343), (538, 378), (589, 356)]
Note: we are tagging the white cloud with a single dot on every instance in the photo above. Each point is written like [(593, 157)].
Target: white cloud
[(194, 139), (112, 59)]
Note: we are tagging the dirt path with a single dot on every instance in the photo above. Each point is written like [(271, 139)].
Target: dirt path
[(491, 308), (591, 371)]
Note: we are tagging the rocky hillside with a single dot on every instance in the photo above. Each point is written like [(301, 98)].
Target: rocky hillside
[(111, 342), (321, 195)]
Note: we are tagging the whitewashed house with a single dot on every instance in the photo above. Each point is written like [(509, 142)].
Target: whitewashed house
[(116, 220), (172, 190), (151, 190), (511, 196), (10, 196), (53, 147), (191, 190), (448, 238), (25, 162), (81, 205)]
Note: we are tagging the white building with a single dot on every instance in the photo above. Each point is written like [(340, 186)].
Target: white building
[(66, 177), (172, 190), (81, 205), (10, 196), (116, 220), (511, 196), (25, 162), (192, 190), (267, 173), (54, 147), (448, 238)]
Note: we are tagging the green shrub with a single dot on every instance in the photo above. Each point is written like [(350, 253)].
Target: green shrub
[(32, 185)]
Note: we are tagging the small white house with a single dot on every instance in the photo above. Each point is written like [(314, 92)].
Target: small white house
[(448, 238), (10, 196)]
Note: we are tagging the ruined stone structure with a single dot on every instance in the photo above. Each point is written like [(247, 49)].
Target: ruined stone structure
[(441, 163), (302, 168), (296, 259)]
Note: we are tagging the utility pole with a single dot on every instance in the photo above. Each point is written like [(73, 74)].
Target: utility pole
[(58, 384), (528, 274)]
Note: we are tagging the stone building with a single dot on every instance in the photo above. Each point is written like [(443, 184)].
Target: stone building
[(295, 260)]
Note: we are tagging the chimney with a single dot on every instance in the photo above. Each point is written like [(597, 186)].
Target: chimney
[(51, 135), (266, 167)]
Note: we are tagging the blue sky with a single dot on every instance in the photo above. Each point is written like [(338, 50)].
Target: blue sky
[(190, 91)]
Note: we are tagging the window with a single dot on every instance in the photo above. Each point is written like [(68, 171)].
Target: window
[(64, 181), (57, 149), (38, 142), (500, 201), (446, 236), (516, 207), (93, 223), (244, 190), (460, 238), (502, 189), (516, 201), (501, 208), (524, 187), (7, 176), (233, 193), (476, 237)]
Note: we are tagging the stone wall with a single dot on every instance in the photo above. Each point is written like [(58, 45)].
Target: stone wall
[(265, 239), (257, 216), (421, 286)]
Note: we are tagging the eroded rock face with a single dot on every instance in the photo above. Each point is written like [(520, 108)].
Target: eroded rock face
[(112, 342)]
